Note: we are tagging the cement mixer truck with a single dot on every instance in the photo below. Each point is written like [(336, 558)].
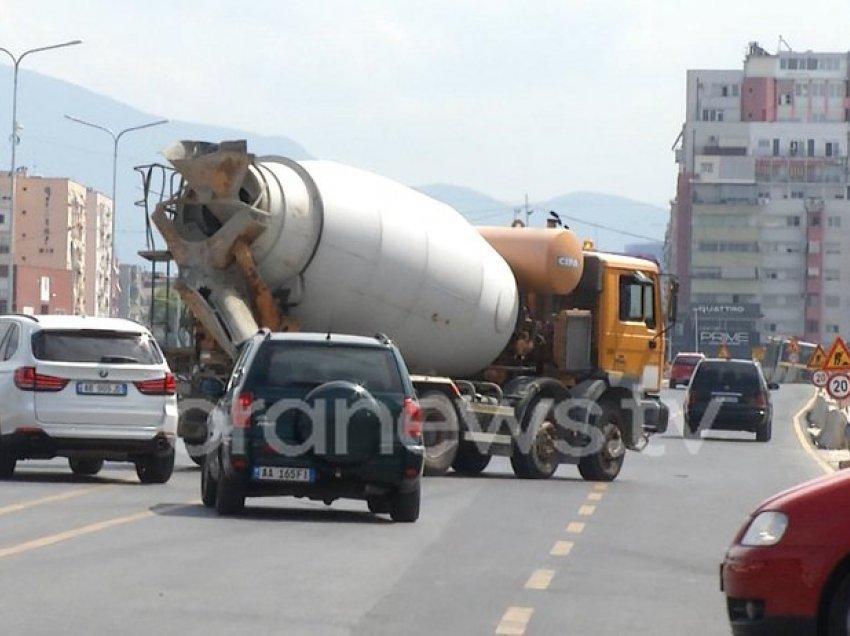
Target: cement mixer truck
[(523, 344)]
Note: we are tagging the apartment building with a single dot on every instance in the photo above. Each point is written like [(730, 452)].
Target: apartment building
[(759, 234), (61, 247)]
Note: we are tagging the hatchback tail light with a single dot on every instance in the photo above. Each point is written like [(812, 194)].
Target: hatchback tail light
[(760, 401), (26, 379), (412, 426), (160, 386), (240, 411)]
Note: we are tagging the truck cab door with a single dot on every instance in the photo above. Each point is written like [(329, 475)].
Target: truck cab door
[(632, 341)]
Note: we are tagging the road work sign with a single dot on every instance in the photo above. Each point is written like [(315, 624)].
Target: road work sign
[(838, 357)]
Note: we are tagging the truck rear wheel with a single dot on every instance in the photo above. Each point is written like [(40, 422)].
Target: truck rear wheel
[(605, 462), (535, 453), (440, 431), (469, 460)]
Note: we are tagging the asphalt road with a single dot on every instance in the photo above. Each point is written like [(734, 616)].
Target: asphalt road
[(490, 555)]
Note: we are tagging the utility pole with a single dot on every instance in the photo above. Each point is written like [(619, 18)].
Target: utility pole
[(14, 139), (528, 211)]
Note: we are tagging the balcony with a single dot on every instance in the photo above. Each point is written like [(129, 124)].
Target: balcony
[(800, 170)]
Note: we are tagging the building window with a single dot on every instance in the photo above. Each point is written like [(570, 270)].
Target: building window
[(833, 221), (831, 329), (4, 306), (706, 166), (812, 300), (832, 301), (812, 326), (771, 326), (832, 248), (831, 274), (4, 249), (792, 221), (813, 272), (814, 220), (4, 271), (2, 218)]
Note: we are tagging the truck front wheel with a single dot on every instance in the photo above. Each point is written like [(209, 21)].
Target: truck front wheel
[(609, 449)]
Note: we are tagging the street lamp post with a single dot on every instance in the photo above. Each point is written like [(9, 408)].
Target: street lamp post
[(13, 140), (116, 138), (696, 330)]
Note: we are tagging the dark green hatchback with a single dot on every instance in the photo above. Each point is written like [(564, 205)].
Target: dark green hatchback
[(322, 416)]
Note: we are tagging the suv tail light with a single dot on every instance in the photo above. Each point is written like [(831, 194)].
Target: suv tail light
[(26, 379), (160, 386), (412, 426), (240, 411)]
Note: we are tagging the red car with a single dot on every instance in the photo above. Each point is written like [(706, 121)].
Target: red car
[(788, 570), (683, 368)]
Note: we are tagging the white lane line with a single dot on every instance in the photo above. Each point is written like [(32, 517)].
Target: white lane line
[(539, 579), (515, 621), (562, 548), (594, 496), (587, 510)]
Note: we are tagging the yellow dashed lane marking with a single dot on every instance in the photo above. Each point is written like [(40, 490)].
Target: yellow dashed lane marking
[(562, 548), (586, 511), (539, 579), (575, 527), (23, 505), (600, 487), (594, 496), (515, 621)]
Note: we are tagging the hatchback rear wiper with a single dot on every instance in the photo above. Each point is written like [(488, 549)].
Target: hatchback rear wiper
[(119, 359)]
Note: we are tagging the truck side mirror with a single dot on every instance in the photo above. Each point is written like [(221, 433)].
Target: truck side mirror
[(672, 301)]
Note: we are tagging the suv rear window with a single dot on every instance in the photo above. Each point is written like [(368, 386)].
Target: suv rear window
[(687, 361), (280, 364), (115, 347), (738, 376)]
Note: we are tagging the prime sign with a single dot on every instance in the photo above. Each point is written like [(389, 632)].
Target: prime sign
[(733, 339)]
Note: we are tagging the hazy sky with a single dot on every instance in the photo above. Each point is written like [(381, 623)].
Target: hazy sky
[(508, 97)]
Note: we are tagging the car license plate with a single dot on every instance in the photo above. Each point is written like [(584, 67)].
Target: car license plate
[(727, 399), (284, 473), (101, 388)]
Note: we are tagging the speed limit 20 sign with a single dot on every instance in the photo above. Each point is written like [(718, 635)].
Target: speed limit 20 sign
[(839, 386), (820, 378)]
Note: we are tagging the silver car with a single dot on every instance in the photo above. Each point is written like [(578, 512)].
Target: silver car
[(89, 389)]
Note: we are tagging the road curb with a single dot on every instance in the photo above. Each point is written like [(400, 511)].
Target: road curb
[(805, 439)]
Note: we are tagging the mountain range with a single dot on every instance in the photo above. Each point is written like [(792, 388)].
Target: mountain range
[(53, 146)]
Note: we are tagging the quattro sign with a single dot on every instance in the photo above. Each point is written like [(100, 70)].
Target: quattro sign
[(838, 386)]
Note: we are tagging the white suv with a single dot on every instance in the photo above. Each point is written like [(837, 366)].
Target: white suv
[(89, 389)]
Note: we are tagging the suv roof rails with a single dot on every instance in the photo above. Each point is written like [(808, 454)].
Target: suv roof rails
[(20, 315), (382, 338)]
